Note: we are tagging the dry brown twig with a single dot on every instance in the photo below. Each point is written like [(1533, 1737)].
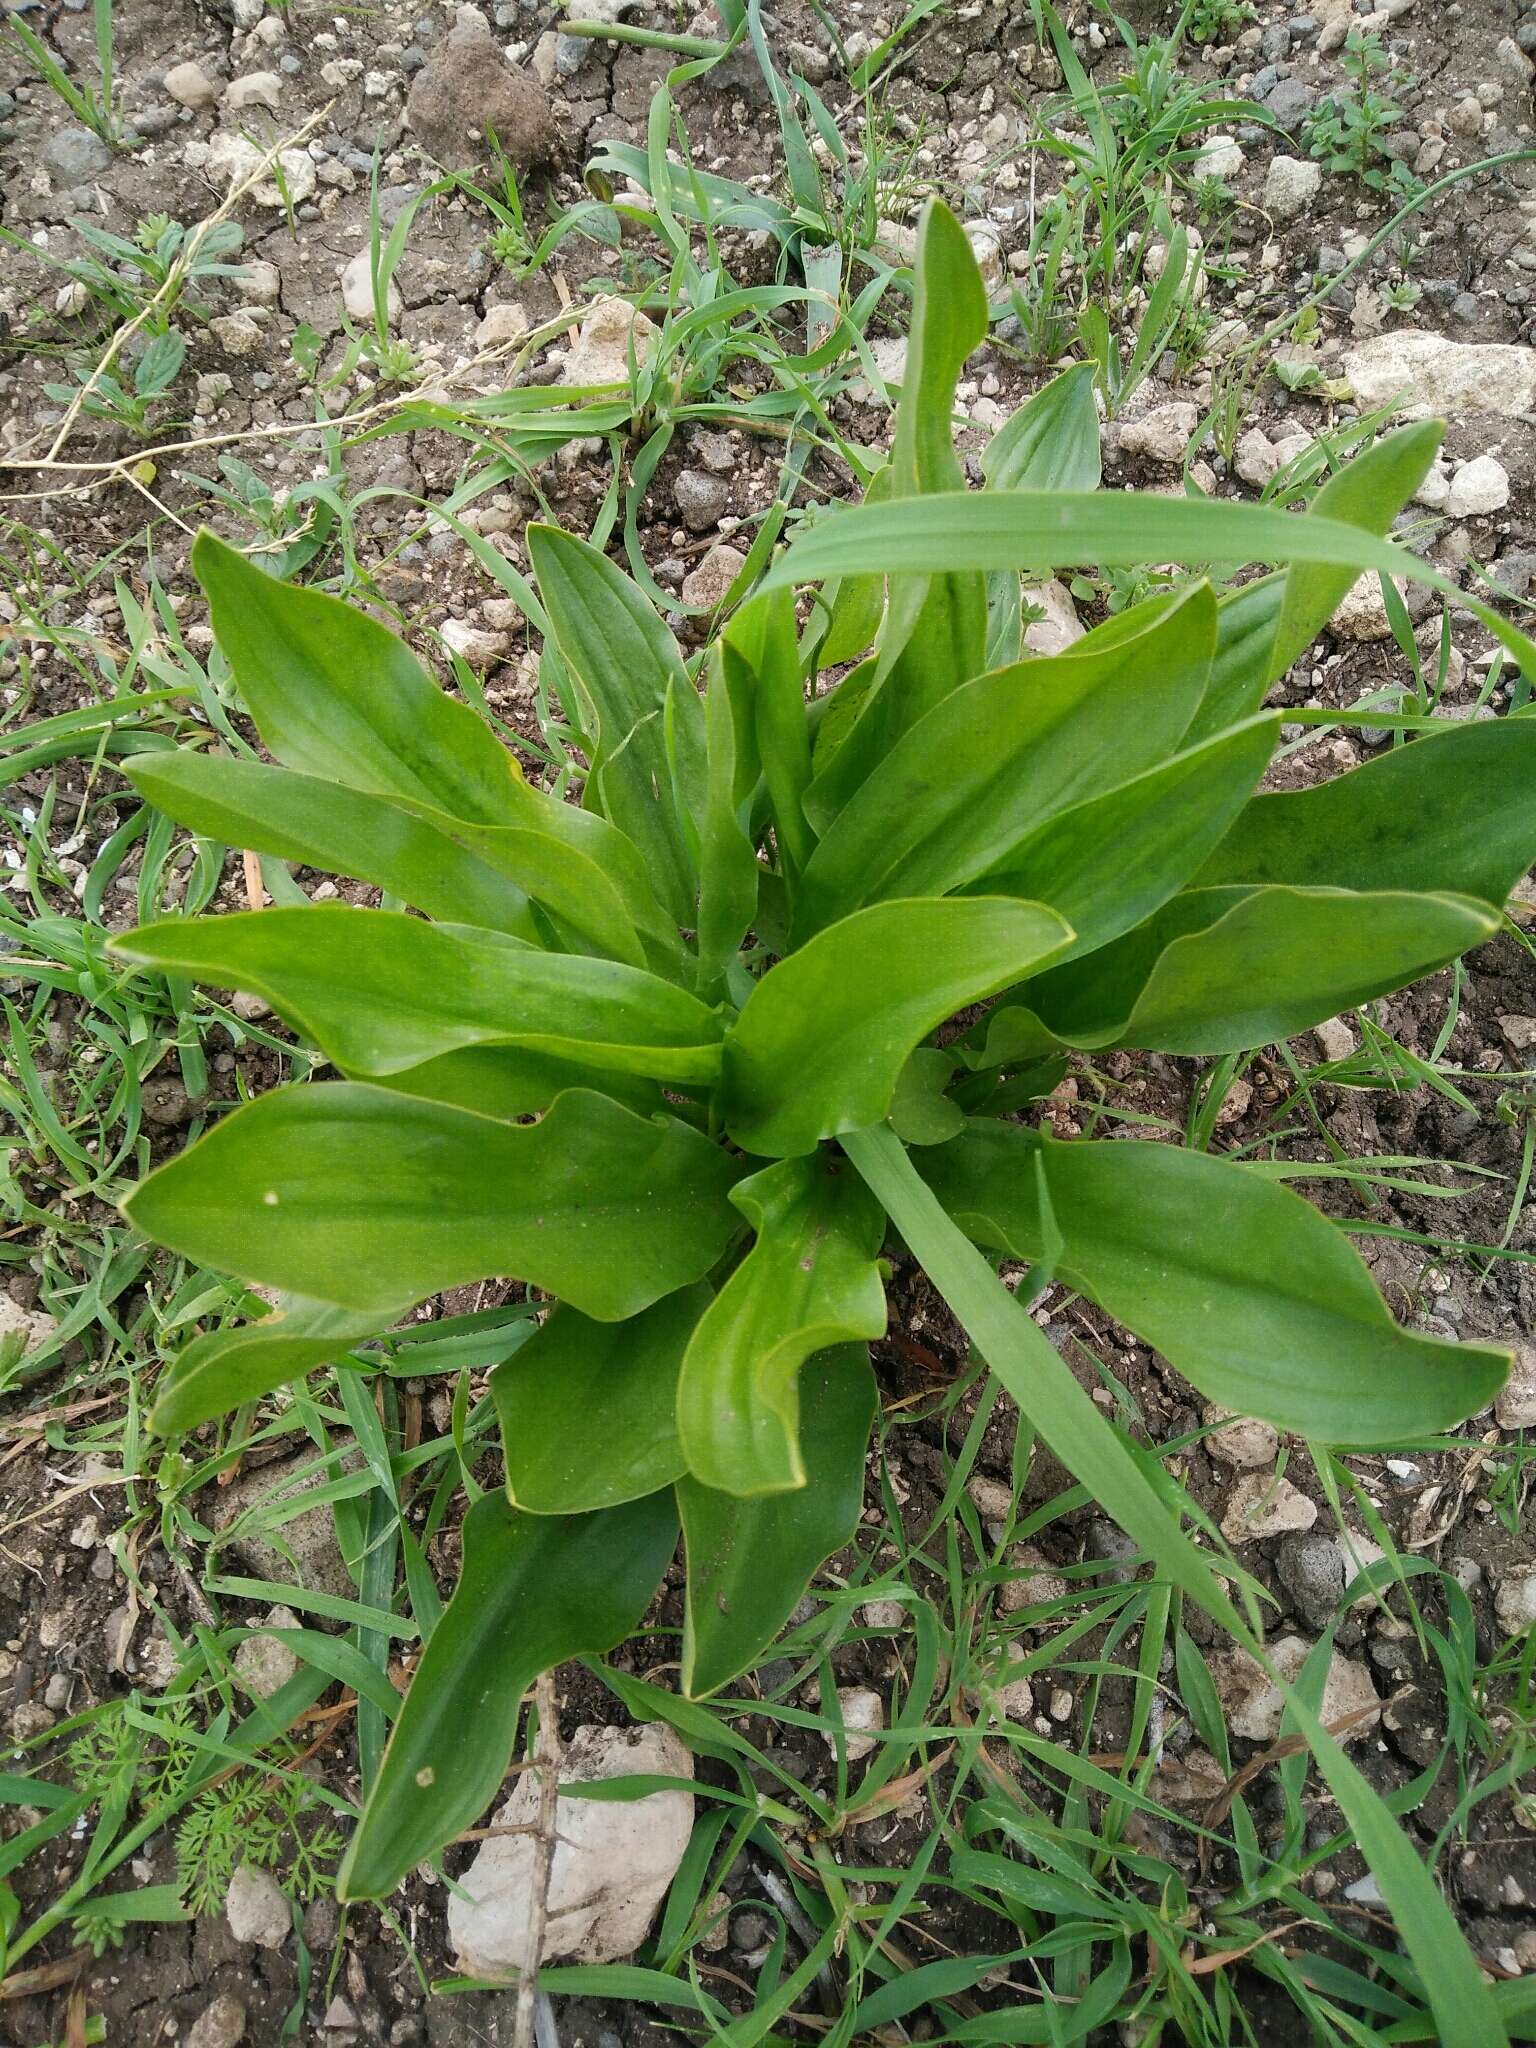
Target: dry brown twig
[(548, 1761)]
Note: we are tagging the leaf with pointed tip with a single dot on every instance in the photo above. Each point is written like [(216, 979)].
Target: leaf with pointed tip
[(223, 1368), (823, 1037), (573, 1370), (1052, 442), (749, 1561), (1239, 1282), (535, 1591), (360, 1197), (509, 1082), (379, 992), (810, 1280), (1003, 754)]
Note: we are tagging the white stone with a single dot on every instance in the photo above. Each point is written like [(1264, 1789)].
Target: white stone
[(1060, 628), (1434, 493), (190, 86), (707, 585), (1335, 1039), (1290, 185), (1260, 1506), (600, 354), (255, 89), (612, 1862), (1363, 613), (1161, 435), (256, 1910), (357, 292), (1290, 446), (478, 647), (1254, 1706), (1419, 368), (1222, 157), (261, 284), (1520, 1030), (1013, 1698), (987, 247), (1040, 1584), (1515, 1602), (882, 1614), (992, 1500), (862, 1710), (231, 160), (1255, 460), (1478, 488), (1240, 1440), (35, 1324), (236, 333), (220, 2025), (1515, 1407), (502, 325), (263, 1665)]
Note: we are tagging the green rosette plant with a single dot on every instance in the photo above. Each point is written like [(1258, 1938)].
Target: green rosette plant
[(676, 1058)]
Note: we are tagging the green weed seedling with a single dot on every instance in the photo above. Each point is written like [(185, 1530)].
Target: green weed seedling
[(677, 1060), (1348, 130)]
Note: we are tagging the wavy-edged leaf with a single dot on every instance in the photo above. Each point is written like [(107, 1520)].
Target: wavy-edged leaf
[(821, 1042), (809, 1281), (222, 1368), (361, 1197), (639, 712), (749, 1561), (1005, 753), (1220, 970), (535, 1590), (588, 1410), (379, 992), (1451, 811), (1109, 863), (1240, 1283)]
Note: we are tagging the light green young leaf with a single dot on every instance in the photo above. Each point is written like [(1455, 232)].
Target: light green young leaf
[(379, 992), (509, 1082), (1219, 970), (1240, 1283), (809, 1281), (1052, 442), (572, 1371), (222, 1368), (535, 1590), (749, 1561), (1005, 753), (728, 865), (362, 1198), (762, 671), (821, 1043), (640, 713)]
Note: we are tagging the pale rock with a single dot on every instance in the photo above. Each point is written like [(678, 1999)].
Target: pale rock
[(263, 1665), (1515, 1406), (1013, 1698), (1512, 61), (260, 284), (862, 1711), (1363, 613), (987, 247), (339, 2017), (1254, 1706), (473, 643), (882, 1613), (1290, 446), (71, 299), (706, 586), (1519, 1030), (600, 353), (890, 359), (255, 1908), (611, 1866), (1434, 493), (1366, 1891), (1162, 435), (503, 324), (1478, 488), (316, 1562), (1514, 1602), (1290, 185), (35, 1325), (190, 86), (897, 240), (1260, 1506), (1420, 368), (231, 160), (1255, 460), (1222, 157), (1240, 1440), (236, 333), (255, 89), (992, 1500), (1466, 117), (1038, 1583), (1334, 1038), (1060, 628), (220, 2025), (357, 292)]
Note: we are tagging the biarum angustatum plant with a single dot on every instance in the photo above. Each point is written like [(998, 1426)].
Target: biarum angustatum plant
[(673, 1059)]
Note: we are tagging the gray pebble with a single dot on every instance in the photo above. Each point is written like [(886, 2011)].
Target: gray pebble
[(700, 499), (1311, 1569), (74, 156)]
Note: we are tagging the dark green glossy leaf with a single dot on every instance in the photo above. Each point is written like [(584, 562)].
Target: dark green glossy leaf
[(535, 1590), (823, 1038), (762, 665), (1452, 811), (749, 1561), (809, 1281), (1240, 1283), (1003, 754), (588, 1411), (222, 1368), (360, 1197), (379, 992)]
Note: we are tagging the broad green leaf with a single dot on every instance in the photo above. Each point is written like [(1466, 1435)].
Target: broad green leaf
[(508, 1081), (1107, 864), (949, 320), (1006, 752), (535, 1590), (222, 1368), (921, 1112), (762, 667), (809, 1281), (552, 1391), (1058, 529), (334, 694), (1239, 1282), (340, 831), (858, 604), (823, 1038), (379, 992), (728, 864), (749, 1561), (639, 712), (1052, 442), (1452, 811), (1219, 970), (363, 1198)]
